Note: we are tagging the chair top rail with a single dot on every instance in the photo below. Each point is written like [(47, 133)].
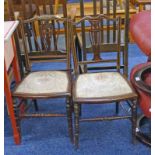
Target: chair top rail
[(45, 17)]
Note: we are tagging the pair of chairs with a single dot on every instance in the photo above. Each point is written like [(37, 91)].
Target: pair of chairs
[(74, 83)]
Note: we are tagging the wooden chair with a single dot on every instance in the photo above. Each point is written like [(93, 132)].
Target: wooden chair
[(111, 8), (51, 7), (20, 8), (45, 84), (28, 8), (105, 86), (32, 8)]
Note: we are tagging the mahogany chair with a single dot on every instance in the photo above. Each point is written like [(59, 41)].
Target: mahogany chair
[(28, 8), (51, 83), (105, 86), (51, 7), (31, 8), (111, 8)]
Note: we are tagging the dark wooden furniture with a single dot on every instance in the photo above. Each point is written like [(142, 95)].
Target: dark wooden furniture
[(23, 8), (52, 7), (45, 84), (44, 7), (28, 8), (89, 7), (41, 38), (105, 86), (111, 8)]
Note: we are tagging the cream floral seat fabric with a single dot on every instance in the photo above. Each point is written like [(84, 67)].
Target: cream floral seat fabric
[(100, 85), (44, 82)]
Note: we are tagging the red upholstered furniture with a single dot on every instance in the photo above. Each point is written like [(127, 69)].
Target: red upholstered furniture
[(144, 95), (140, 28)]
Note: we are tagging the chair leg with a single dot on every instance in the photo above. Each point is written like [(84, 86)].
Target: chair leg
[(117, 107), (76, 125), (71, 105), (35, 105), (69, 118), (134, 120), (17, 116), (80, 110)]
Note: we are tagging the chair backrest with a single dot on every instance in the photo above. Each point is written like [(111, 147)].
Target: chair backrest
[(51, 7), (43, 40), (113, 9), (99, 44), (28, 8)]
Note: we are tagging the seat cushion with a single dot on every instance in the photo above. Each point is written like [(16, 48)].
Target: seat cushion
[(44, 82), (101, 85)]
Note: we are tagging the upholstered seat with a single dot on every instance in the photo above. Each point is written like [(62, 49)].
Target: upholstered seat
[(101, 85), (44, 82)]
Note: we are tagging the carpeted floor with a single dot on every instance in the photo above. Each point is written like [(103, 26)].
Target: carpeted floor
[(48, 136)]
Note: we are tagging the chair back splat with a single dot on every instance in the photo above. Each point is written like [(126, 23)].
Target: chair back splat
[(99, 43), (112, 9), (42, 36)]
